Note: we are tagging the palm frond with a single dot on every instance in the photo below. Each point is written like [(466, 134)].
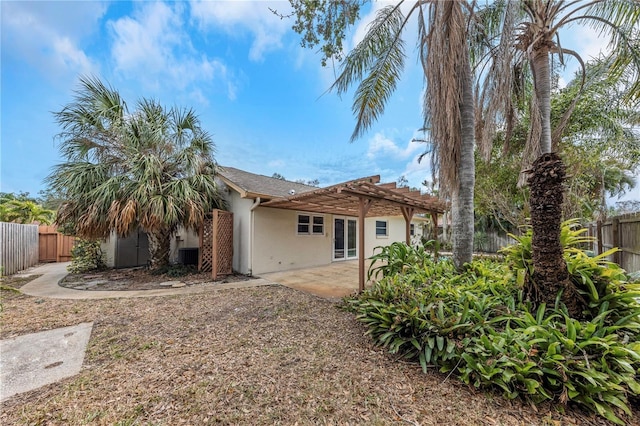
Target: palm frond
[(377, 62), (152, 167), (447, 51)]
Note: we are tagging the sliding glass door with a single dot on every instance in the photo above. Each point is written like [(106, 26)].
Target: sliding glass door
[(345, 238)]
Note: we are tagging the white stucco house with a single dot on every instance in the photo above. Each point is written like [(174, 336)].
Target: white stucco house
[(280, 225)]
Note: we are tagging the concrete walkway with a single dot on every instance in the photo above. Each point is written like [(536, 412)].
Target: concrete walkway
[(336, 280), (37, 359), (53, 273)]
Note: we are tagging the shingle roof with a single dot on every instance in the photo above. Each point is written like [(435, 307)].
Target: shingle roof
[(251, 185)]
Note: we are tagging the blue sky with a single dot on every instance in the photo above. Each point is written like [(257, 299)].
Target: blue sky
[(261, 95)]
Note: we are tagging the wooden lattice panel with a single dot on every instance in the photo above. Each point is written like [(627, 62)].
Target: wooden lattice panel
[(205, 261), (222, 243)]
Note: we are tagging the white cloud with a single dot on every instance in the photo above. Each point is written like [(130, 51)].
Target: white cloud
[(276, 163), (266, 28), (587, 43), (416, 172), (72, 58), (48, 34), (382, 146), (153, 44), (146, 41)]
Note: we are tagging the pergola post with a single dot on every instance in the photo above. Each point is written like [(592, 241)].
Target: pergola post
[(364, 205), (434, 218), (407, 212)]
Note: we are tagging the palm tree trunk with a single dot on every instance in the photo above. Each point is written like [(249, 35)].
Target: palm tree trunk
[(159, 247), (462, 199), (550, 274), (542, 80)]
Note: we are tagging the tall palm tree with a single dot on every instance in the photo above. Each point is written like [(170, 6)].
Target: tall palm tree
[(449, 114), (529, 33), (151, 168), (376, 64)]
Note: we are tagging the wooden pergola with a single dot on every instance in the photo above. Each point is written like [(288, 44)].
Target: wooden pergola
[(361, 198)]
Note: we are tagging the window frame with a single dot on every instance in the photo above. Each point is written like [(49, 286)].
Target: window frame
[(314, 222), (386, 229)]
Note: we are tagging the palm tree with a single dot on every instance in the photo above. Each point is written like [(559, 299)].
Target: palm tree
[(376, 64), (25, 211), (449, 114), (151, 168), (529, 33)]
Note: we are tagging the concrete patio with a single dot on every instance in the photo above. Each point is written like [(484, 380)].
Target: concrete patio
[(336, 280)]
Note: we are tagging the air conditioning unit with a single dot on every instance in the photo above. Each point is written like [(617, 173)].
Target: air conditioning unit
[(188, 256)]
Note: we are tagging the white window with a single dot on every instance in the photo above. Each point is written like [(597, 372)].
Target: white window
[(381, 228), (412, 229), (310, 224), (318, 225)]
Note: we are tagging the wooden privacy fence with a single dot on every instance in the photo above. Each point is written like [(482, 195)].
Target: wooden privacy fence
[(53, 245), (622, 232), (495, 241), (18, 247), (216, 243)]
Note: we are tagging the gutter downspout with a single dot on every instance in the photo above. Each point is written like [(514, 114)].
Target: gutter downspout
[(255, 205)]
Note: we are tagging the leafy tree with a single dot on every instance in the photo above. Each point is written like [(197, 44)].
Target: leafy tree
[(150, 167), (20, 196), (310, 182), (313, 182), (50, 199), (21, 208), (376, 65), (600, 145), (527, 35), (601, 140), (498, 200), (624, 207)]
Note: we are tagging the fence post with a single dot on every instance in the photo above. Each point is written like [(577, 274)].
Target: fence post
[(615, 231), (599, 236)]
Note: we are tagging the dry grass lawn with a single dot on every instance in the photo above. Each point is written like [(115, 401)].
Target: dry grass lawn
[(260, 356)]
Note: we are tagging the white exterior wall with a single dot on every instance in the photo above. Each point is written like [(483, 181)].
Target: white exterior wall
[(396, 232), (183, 239), (278, 247), (108, 247), (241, 209)]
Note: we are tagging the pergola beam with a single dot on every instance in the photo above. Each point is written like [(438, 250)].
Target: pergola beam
[(397, 201)]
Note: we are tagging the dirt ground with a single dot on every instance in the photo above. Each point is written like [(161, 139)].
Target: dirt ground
[(139, 279), (258, 356)]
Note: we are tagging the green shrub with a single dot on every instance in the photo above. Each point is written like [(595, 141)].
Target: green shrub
[(396, 258), (86, 255), (480, 240), (476, 325)]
